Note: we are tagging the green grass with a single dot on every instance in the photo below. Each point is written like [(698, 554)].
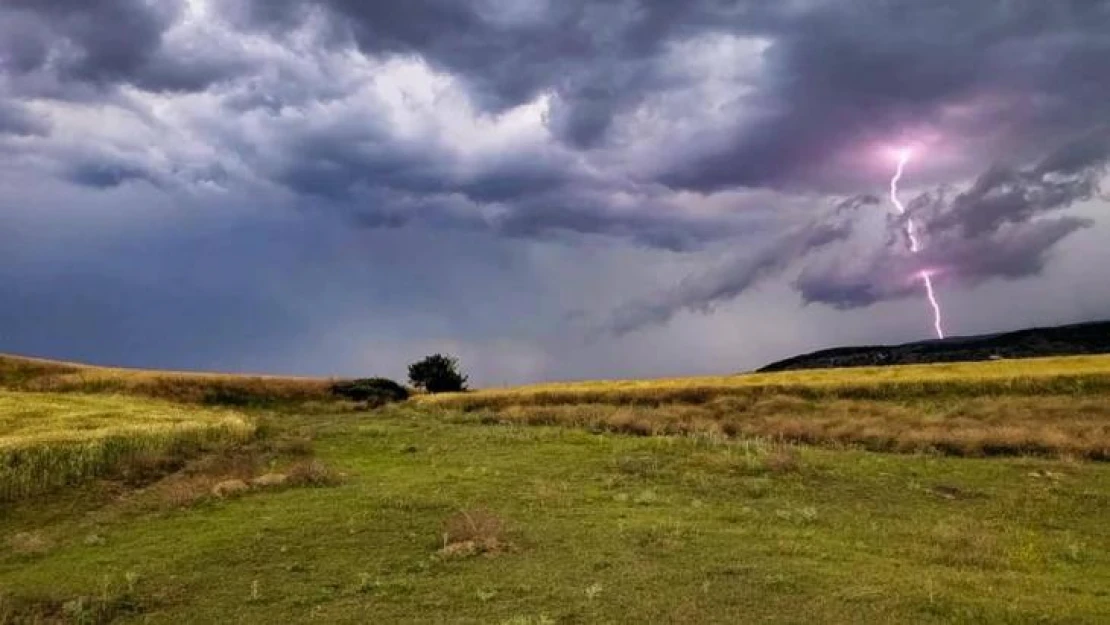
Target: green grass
[(604, 528), (992, 510), (1048, 407), (51, 440)]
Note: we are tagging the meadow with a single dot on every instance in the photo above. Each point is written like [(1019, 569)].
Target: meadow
[(49, 440), (824, 496), (1052, 406), (38, 375)]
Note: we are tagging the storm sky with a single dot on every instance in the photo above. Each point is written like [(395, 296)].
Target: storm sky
[(548, 189)]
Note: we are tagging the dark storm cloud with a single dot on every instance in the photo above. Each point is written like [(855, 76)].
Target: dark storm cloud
[(580, 212), (687, 127), (835, 78), (1011, 195), (849, 74), (105, 43), (16, 119), (104, 174), (1002, 226), (598, 57), (1016, 251), (726, 281)]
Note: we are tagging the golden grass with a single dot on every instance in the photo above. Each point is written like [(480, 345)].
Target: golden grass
[(30, 374), (51, 440), (1049, 406), (471, 532), (1036, 376), (1053, 425)]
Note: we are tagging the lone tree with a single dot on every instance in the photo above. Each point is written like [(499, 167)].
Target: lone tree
[(437, 374)]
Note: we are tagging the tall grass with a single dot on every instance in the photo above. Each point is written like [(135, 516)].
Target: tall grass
[(49, 441), (1052, 406), (28, 374), (1085, 375)]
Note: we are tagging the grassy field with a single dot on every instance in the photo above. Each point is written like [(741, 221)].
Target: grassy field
[(1055, 406), (508, 506), (31, 374), (53, 440), (1077, 375)]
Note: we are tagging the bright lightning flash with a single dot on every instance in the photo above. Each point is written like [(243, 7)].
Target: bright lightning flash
[(915, 244)]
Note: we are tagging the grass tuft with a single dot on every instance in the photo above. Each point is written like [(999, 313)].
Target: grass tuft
[(312, 473), (471, 532)]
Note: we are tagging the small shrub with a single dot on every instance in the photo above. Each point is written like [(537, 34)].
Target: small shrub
[(373, 391), (437, 374), (474, 531), (230, 488), (186, 491), (238, 463), (312, 473), (148, 467)]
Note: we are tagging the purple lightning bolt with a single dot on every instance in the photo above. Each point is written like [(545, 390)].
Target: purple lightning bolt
[(915, 244)]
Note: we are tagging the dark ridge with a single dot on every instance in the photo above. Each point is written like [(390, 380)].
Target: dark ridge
[(1069, 340)]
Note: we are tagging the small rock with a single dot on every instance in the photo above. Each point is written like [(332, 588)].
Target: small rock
[(270, 480), (409, 449), (230, 488)]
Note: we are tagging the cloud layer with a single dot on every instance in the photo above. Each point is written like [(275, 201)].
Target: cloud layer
[(745, 141)]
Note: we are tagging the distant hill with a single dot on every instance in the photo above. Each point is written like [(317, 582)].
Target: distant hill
[(19, 373), (1080, 338)]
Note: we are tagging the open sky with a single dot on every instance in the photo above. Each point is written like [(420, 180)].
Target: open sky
[(548, 189)]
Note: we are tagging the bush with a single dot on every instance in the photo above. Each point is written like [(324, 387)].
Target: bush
[(376, 391), (437, 374)]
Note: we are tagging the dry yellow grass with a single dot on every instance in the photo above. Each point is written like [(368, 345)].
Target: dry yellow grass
[(50, 440), (1038, 376), (1052, 425), (1051, 406), (30, 374)]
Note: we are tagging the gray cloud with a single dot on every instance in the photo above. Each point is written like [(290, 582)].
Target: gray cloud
[(831, 79), (1014, 252), (834, 80), (16, 119), (102, 174), (1010, 195), (846, 75), (1000, 227), (730, 278), (678, 129), (103, 44), (996, 228)]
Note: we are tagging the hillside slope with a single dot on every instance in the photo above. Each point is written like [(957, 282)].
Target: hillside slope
[(32, 374), (746, 498), (1076, 339)]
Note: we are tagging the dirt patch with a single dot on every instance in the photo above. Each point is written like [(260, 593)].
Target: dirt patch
[(312, 473), (29, 543)]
